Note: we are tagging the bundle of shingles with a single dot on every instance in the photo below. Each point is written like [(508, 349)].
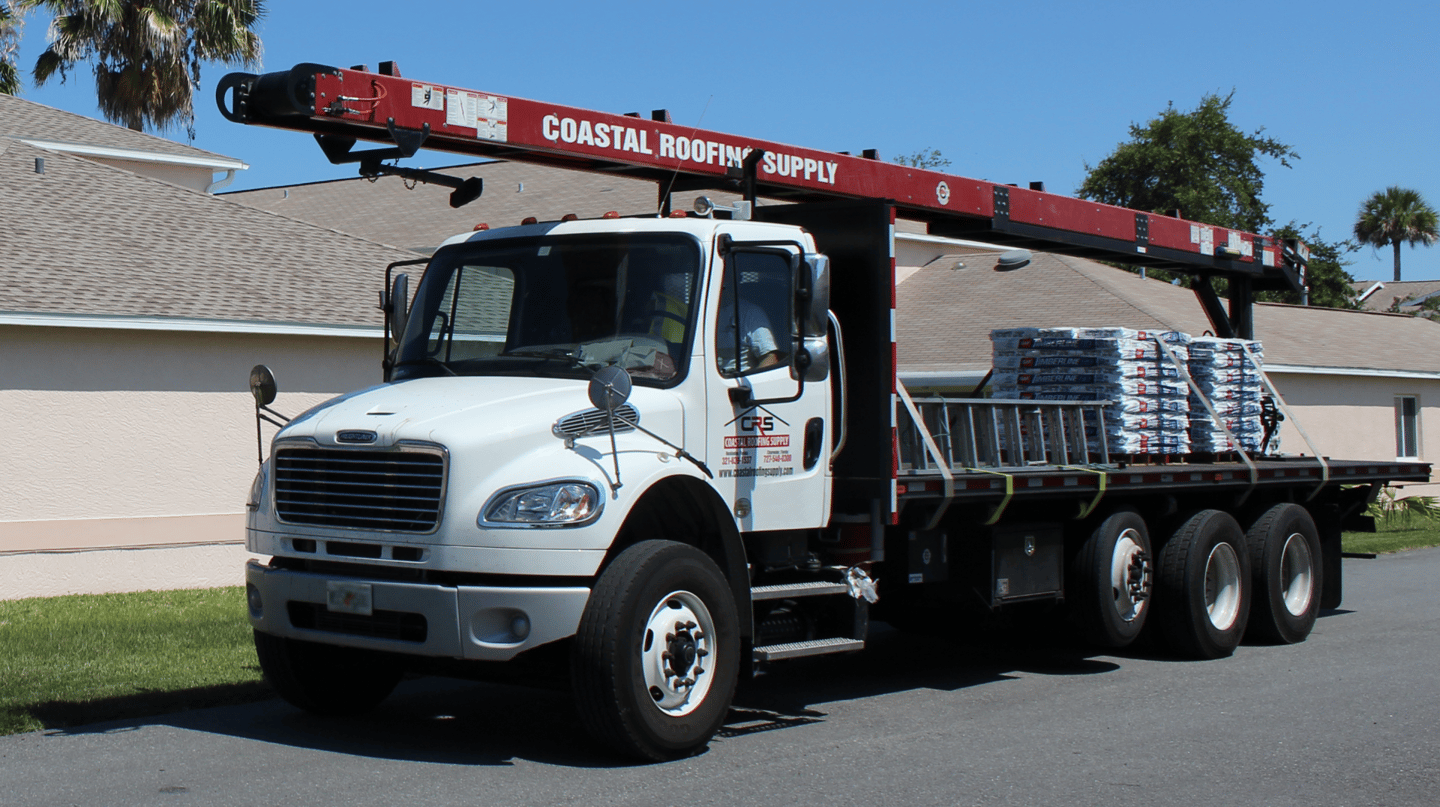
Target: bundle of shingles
[(1229, 379), (1149, 411)]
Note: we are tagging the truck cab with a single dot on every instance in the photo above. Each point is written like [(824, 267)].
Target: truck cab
[(468, 508)]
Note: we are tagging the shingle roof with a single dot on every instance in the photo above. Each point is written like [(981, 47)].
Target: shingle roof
[(945, 316), (390, 212), (1391, 292), (27, 119), (86, 238)]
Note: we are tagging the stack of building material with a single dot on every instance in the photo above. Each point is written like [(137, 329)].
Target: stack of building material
[(1149, 411), (1231, 382)]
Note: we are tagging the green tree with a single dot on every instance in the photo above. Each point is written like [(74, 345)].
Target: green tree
[(10, 25), (1194, 164), (930, 159), (1395, 216), (1326, 279), (147, 53)]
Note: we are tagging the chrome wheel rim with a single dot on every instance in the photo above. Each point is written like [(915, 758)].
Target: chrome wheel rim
[(677, 653), (1297, 575), (1129, 576), (1222, 586)]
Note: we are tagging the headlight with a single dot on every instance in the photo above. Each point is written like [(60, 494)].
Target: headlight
[(558, 504)]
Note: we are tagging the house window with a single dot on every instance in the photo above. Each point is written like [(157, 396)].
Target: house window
[(1407, 427)]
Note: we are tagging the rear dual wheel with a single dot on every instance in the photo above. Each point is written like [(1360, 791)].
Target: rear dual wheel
[(1202, 590), (1113, 576), (1285, 574)]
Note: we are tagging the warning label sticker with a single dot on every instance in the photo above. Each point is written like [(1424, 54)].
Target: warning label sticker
[(427, 96)]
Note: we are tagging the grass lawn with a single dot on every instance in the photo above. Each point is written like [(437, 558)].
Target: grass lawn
[(1412, 535), (67, 661)]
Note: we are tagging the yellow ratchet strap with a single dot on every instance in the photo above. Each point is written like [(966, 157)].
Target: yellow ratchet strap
[(1009, 493), (1087, 509)]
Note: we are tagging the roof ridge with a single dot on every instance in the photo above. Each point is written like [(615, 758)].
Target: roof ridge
[(1324, 308), (238, 191), (216, 197), (90, 120), (1066, 260)]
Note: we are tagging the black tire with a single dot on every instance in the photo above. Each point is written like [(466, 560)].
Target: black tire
[(1286, 574), (1202, 587), (324, 679), (1111, 579), (622, 667)]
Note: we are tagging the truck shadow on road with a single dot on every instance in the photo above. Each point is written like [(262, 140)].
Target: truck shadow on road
[(452, 722)]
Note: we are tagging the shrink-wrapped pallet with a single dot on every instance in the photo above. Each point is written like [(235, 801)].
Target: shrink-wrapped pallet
[(1147, 391), (1229, 378)]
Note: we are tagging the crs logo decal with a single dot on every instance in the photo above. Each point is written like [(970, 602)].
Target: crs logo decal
[(942, 193), (752, 421), (757, 423)]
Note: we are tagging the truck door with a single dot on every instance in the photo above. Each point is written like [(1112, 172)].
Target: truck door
[(767, 429)]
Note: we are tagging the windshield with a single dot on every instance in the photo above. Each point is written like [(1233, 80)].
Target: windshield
[(555, 306)]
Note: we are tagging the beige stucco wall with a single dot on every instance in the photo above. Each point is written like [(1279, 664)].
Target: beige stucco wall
[(146, 438), (1353, 417)]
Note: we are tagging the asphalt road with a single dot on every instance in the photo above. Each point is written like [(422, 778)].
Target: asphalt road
[(1351, 717)]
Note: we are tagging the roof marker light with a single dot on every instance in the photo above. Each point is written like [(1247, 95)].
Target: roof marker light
[(481, 226), (528, 220), (569, 217), (610, 214)]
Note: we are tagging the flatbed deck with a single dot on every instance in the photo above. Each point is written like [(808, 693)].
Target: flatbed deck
[(1053, 481)]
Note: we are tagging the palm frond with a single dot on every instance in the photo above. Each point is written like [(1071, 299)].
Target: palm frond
[(1393, 512), (147, 54)]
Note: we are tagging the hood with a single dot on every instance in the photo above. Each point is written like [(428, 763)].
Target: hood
[(454, 410)]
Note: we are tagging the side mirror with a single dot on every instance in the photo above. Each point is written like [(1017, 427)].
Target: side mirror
[(815, 270), (812, 311), (262, 385), (609, 388), (398, 305), (264, 388)]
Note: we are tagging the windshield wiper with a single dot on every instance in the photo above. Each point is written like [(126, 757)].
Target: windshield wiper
[(429, 361), (567, 354)]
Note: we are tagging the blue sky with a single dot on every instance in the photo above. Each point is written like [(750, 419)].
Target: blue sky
[(1009, 92)]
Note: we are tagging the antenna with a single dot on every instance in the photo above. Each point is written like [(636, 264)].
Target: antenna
[(660, 206)]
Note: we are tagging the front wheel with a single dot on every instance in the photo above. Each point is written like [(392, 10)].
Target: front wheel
[(324, 679), (657, 653)]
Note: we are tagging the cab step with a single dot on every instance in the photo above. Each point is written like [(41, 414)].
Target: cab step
[(814, 647), (790, 591)]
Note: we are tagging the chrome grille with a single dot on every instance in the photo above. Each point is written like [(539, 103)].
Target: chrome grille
[(357, 489), (593, 421)]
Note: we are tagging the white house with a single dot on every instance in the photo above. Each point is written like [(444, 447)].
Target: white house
[(135, 302)]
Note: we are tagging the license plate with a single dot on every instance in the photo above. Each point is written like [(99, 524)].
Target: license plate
[(348, 598)]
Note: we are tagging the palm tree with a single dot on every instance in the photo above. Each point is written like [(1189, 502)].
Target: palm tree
[(1394, 216), (147, 53), (10, 25)]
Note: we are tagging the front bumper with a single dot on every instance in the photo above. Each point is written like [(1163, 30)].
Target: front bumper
[(483, 623)]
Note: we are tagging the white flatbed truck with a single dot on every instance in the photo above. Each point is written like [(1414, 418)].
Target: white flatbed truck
[(660, 452)]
